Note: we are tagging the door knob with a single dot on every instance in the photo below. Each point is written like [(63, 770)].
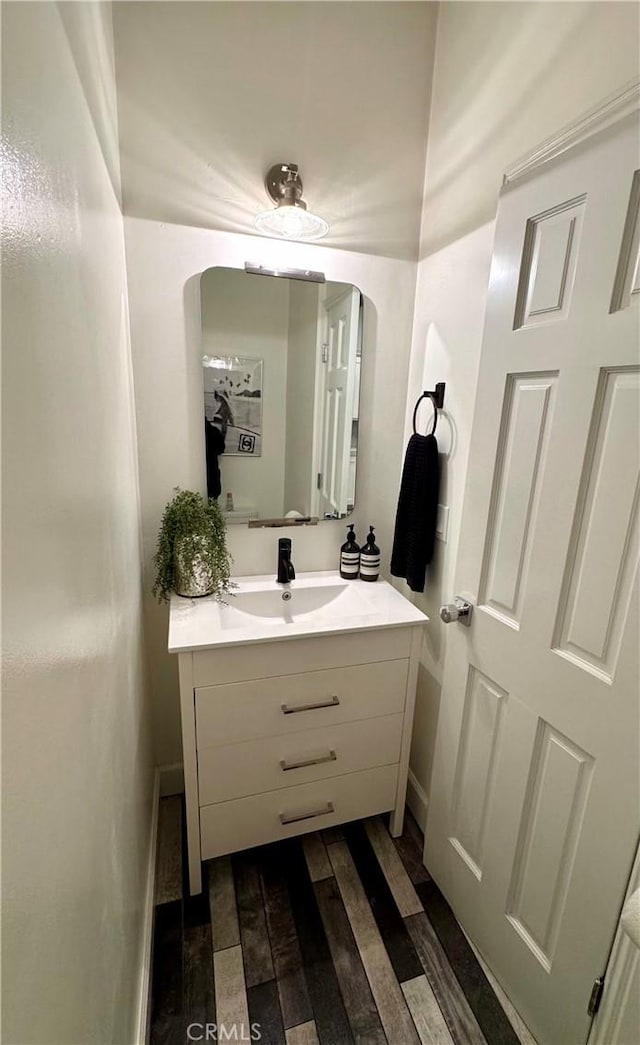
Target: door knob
[(459, 610)]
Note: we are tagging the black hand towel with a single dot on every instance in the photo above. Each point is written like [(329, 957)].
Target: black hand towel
[(416, 515), (214, 446)]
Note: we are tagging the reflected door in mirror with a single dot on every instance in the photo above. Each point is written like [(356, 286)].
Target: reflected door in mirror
[(337, 380)]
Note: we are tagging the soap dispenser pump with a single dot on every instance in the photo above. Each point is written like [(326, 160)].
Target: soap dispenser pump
[(370, 559), (350, 556)]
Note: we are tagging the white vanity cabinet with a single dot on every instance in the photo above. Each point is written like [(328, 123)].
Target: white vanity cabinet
[(295, 735)]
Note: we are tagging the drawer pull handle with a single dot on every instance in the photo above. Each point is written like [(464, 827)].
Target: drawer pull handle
[(331, 703), (286, 819), (314, 761)]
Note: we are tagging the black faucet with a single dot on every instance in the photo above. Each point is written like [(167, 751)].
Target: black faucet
[(286, 571)]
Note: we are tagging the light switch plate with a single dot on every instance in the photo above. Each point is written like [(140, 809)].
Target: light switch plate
[(442, 522)]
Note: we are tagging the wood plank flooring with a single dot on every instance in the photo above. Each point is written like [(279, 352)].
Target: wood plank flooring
[(336, 938)]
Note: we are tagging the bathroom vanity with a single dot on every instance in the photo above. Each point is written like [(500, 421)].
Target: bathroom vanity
[(296, 711)]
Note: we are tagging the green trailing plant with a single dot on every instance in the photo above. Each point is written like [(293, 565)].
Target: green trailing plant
[(192, 539)]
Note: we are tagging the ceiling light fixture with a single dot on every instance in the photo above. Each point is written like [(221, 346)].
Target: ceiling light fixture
[(290, 219)]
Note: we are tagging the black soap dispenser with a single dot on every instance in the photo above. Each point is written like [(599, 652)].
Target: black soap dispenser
[(350, 556), (370, 559)]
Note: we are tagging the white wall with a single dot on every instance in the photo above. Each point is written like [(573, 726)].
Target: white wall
[(249, 316), (211, 94), (76, 761), (301, 382), (165, 324), (507, 75)]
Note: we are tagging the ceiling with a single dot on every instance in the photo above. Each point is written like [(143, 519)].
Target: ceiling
[(210, 94)]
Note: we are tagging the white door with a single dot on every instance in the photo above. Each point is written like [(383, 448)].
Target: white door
[(338, 376), (534, 809)]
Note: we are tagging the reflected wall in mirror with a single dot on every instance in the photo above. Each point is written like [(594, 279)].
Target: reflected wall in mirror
[(281, 385)]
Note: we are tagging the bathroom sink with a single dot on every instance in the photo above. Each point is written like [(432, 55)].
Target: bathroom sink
[(258, 609), (291, 602)]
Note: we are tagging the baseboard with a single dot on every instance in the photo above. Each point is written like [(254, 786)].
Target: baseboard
[(144, 994), (417, 800), (171, 779)]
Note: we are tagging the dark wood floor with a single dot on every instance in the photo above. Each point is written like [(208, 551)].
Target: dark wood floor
[(332, 938)]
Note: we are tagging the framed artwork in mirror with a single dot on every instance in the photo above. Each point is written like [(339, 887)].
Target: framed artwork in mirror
[(233, 402)]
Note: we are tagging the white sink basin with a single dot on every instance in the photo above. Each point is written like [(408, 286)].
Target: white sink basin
[(255, 611), (292, 602)]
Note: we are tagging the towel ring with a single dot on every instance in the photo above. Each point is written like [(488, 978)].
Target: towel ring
[(437, 398)]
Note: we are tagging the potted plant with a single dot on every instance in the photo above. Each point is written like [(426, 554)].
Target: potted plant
[(192, 558)]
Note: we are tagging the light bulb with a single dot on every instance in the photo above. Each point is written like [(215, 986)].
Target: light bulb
[(291, 222)]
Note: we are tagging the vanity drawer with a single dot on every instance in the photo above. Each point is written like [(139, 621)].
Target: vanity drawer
[(291, 656), (290, 703), (237, 770), (230, 826)]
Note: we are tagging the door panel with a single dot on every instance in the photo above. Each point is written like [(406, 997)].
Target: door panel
[(475, 771), (534, 807), (603, 561), (549, 263), (521, 456), (555, 798), (627, 284)]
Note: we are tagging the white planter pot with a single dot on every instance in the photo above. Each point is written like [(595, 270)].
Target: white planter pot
[(191, 583)]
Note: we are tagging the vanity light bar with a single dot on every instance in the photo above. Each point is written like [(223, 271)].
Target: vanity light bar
[(306, 274)]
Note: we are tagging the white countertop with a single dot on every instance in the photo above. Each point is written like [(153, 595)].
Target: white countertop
[(199, 624)]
